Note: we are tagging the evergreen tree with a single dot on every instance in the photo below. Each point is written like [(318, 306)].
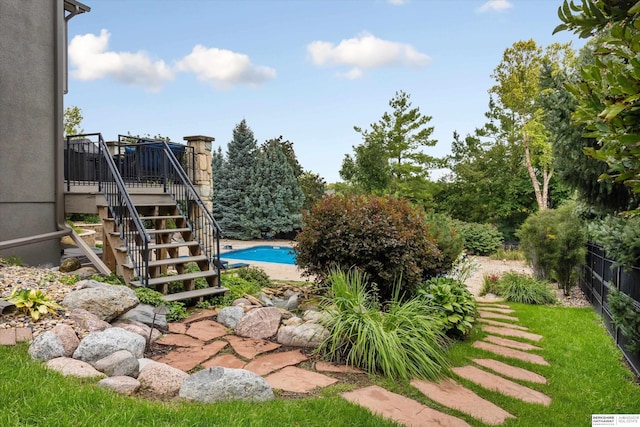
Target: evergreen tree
[(235, 183), (275, 196), (217, 164)]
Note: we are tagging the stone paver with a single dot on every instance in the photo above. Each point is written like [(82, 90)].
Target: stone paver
[(179, 340), (497, 309), (510, 352), (187, 358), (453, 395), (502, 324), (341, 369), (400, 409), (225, 361), (8, 336), (510, 332), (268, 363), (24, 334), (505, 342), (204, 314), (490, 315), (177, 328), (485, 300), (511, 371), (206, 330), (485, 304), (250, 347), (298, 380), (502, 385)]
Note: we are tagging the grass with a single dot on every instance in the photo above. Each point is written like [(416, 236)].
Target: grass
[(585, 376)]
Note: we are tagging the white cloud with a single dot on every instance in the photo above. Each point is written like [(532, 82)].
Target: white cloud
[(495, 6), (223, 68), (363, 52), (352, 74), (89, 55)]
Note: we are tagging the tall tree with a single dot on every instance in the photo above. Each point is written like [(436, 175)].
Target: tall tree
[(287, 149), (275, 196), (609, 89), (313, 187), (217, 165), (236, 180), (72, 118), (391, 159), (515, 99)]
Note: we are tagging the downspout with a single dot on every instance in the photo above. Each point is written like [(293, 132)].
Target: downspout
[(61, 89)]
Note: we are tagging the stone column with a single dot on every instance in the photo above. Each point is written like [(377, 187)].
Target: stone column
[(203, 176)]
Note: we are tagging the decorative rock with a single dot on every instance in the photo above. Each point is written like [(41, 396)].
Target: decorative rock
[(98, 345), (265, 300), (292, 321), (144, 362), (75, 368), (84, 273), (161, 380), (122, 385), (46, 346), (88, 321), (241, 301), (70, 264), (305, 335), (107, 302), (229, 316), (286, 314), (313, 316), (120, 363), (221, 384), (144, 313), (67, 337), (138, 328), (90, 283), (259, 323), (292, 302)]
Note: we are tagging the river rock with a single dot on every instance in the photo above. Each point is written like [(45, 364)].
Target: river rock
[(107, 302), (161, 379), (143, 313), (304, 335), (120, 363), (122, 385), (88, 321), (98, 345), (219, 384), (69, 265), (67, 337), (72, 367), (139, 328)]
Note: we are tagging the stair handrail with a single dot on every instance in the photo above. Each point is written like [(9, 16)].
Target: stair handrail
[(123, 211), (199, 227)]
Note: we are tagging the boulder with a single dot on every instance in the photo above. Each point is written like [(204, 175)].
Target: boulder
[(138, 328), (313, 316), (122, 385), (88, 321), (292, 321), (120, 363), (46, 346), (67, 337), (98, 345), (85, 272), (72, 367), (229, 316), (144, 362), (143, 313), (161, 380), (241, 301), (90, 283), (304, 335), (69, 265), (107, 302), (259, 323), (219, 384)]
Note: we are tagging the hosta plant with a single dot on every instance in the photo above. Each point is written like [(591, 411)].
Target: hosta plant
[(454, 303), (34, 302)]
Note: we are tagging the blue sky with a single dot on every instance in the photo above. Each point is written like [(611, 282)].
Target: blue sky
[(309, 70)]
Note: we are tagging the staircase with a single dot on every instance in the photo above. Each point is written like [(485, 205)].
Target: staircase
[(157, 230)]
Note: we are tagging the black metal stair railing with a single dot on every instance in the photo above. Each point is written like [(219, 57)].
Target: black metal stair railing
[(120, 205)]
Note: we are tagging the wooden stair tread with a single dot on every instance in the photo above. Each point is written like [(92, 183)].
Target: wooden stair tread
[(152, 218), (172, 245), (153, 231), (172, 261), (176, 278), (194, 294)]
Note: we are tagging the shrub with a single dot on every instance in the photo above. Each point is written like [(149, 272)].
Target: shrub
[(176, 309), (453, 302), (34, 302), (479, 239), (553, 241), (384, 237), (237, 288), (404, 342), (447, 239), (620, 237), (255, 275), (518, 287), (626, 316)]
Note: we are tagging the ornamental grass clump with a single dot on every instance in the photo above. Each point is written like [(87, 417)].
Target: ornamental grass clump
[(404, 341), (522, 288)]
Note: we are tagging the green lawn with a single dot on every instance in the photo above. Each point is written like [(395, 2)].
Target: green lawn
[(586, 376)]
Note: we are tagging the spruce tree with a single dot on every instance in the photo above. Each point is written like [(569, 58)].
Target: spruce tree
[(275, 195), (217, 164), (235, 183)]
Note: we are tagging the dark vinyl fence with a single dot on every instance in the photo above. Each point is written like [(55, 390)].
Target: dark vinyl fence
[(597, 280)]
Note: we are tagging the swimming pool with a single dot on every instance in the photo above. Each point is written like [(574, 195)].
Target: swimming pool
[(277, 254)]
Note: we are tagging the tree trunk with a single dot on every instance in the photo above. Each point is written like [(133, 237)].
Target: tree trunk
[(541, 198)]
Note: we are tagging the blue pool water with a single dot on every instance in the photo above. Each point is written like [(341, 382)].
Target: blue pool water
[(277, 254)]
